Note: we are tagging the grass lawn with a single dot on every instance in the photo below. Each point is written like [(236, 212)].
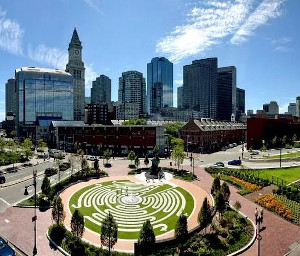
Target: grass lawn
[(287, 155), (288, 174), (159, 203)]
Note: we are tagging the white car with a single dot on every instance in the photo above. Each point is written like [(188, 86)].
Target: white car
[(91, 158)]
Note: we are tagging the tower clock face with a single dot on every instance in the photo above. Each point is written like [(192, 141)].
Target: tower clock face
[(76, 52)]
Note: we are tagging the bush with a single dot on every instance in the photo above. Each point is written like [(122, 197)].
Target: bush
[(230, 239), (57, 233), (132, 172), (43, 200)]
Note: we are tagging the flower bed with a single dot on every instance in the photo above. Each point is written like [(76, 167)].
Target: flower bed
[(270, 202), (293, 206), (249, 185)]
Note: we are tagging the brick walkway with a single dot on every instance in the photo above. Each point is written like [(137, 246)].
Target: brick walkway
[(279, 234)]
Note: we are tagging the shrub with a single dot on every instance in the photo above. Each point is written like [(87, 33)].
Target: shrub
[(132, 172), (230, 239), (57, 232)]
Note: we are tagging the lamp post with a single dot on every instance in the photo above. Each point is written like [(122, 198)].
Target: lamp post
[(243, 150), (34, 218), (259, 217), (192, 159), (187, 145)]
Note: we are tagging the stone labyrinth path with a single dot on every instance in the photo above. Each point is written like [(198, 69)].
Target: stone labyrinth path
[(131, 204)]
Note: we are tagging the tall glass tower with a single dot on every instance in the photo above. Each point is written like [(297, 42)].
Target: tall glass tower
[(159, 71)]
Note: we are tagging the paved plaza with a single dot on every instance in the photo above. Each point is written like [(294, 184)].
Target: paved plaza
[(16, 223)]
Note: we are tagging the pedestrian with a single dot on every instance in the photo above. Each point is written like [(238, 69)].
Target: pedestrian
[(126, 192)]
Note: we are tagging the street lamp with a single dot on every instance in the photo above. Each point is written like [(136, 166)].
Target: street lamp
[(192, 159), (259, 217), (280, 140), (243, 150), (34, 218), (187, 145)]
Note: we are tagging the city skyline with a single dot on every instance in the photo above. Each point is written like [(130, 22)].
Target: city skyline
[(256, 36)]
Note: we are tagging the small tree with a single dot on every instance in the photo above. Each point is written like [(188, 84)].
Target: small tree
[(58, 214), (96, 164), (263, 148), (225, 191), (84, 163), (26, 147), (146, 240), (220, 203), (294, 138), (46, 186), (146, 160), (131, 156), (237, 205), (274, 141), (107, 155), (181, 230), (137, 161), (41, 144), (77, 223), (72, 161), (109, 232), (216, 186), (155, 149), (204, 216), (284, 139), (178, 155)]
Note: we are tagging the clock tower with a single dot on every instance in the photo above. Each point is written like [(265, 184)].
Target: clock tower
[(76, 68)]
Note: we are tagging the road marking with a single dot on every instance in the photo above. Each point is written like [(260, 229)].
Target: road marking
[(6, 220), (5, 202)]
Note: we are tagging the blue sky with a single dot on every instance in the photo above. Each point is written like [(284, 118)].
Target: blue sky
[(260, 37)]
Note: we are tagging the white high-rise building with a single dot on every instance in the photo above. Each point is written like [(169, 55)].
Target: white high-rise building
[(298, 106), (76, 68)]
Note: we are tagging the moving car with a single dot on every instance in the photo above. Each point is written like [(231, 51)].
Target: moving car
[(50, 171), (235, 162), (5, 249), (218, 164), (2, 180), (91, 158)]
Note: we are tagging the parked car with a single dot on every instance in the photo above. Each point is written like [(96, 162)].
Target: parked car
[(11, 169), (5, 249), (91, 158), (2, 180), (50, 171), (218, 164), (234, 144), (235, 162), (230, 145), (254, 153), (223, 149), (64, 166)]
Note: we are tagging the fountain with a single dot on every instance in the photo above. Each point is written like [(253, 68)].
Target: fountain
[(131, 199)]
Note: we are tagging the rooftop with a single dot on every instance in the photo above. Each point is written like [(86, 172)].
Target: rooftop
[(42, 70)]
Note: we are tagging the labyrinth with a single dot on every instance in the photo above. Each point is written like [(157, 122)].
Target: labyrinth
[(132, 204)]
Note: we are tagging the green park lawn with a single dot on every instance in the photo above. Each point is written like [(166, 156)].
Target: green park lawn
[(151, 208), (287, 155)]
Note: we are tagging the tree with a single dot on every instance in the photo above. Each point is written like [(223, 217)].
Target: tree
[(181, 230), (137, 161), (178, 155), (177, 141), (131, 156), (58, 214), (146, 160), (294, 138), (263, 148), (2, 144), (84, 163), (107, 155), (172, 129), (77, 223), (13, 155), (225, 191), (284, 139), (26, 147), (46, 186), (216, 186), (72, 161), (237, 205), (155, 150), (274, 141), (96, 164), (204, 216), (146, 240), (41, 144), (109, 232), (220, 203)]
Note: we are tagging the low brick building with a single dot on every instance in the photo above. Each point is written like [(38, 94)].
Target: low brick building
[(206, 135), (94, 139)]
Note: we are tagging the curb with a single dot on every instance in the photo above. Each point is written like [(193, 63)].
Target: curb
[(56, 246), (20, 181)]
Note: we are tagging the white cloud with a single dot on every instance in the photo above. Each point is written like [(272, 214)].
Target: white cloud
[(178, 82), (94, 4), (282, 40), (266, 10), (215, 20), (283, 108), (281, 49), (10, 34), (90, 75)]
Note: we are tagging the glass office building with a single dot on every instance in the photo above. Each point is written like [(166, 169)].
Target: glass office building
[(43, 93), (159, 70)]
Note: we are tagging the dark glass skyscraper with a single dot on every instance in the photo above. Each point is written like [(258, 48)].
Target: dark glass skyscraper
[(200, 87), (159, 71), (101, 91), (240, 102)]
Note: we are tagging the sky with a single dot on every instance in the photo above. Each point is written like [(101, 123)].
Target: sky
[(259, 37)]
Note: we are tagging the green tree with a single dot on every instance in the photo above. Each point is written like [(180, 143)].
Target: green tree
[(13, 134), (41, 144), (137, 161), (109, 232), (225, 191), (13, 154), (135, 122), (107, 155), (146, 160), (72, 162), (294, 138), (274, 141), (76, 247), (177, 142), (131, 156), (2, 144), (155, 150), (46, 186), (77, 223), (263, 148), (58, 214), (284, 139), (84, 164), (220, 203), (216, 185), (181, 230), (146, 239), (237, 205), (178, 155), (172, 129), (204, 215), (26, 147)]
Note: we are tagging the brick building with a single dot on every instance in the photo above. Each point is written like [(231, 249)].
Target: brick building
[(206, 135)]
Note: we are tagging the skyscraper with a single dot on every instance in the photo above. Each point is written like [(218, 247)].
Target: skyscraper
[(76, 68), (240, 102), (132, 89), (101, 91), (226, 93), (43, 93), (179, 97), (10, 96), (271, 108), (159, 70), (200, 87), (298, 106), (292, 109)]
